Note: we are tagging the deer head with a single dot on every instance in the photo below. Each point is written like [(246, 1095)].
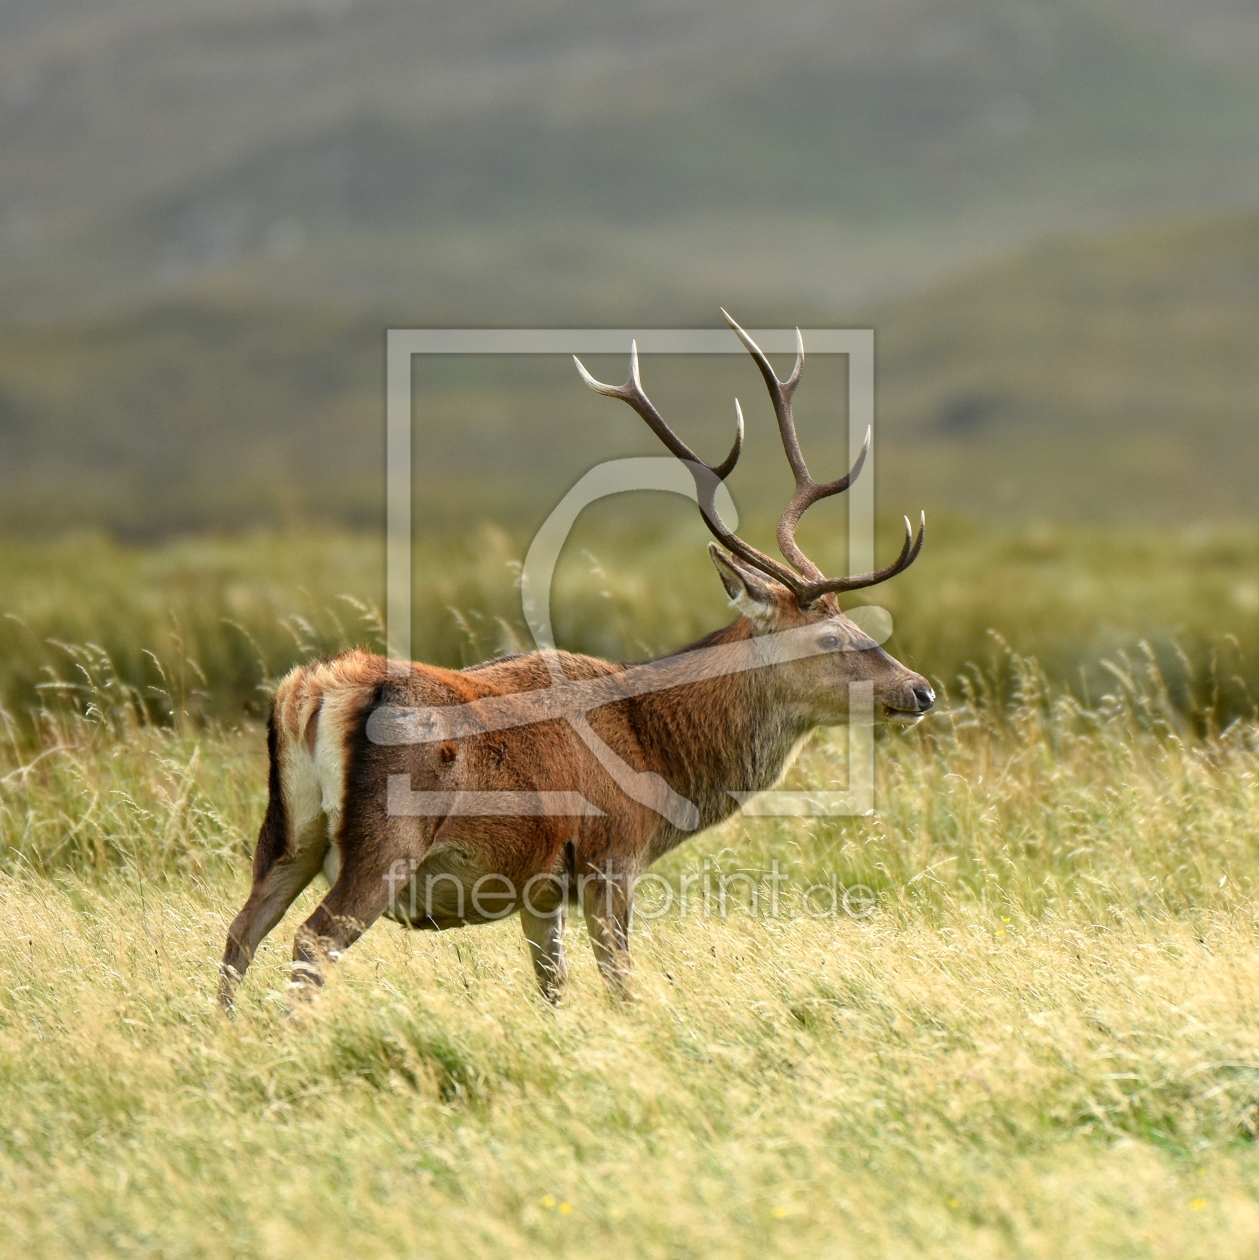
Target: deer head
[(794, 600)]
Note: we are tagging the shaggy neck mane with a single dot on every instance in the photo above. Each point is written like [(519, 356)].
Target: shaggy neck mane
[(719, 735)]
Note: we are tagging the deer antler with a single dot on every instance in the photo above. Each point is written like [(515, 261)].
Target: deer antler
[(805, 580), (707, 477), (808, 491)]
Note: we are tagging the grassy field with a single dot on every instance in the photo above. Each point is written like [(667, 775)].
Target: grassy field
[(200, 628), (1031, 1029)]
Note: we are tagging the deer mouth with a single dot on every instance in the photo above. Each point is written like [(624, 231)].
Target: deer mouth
[(923, 698), (904, 715)]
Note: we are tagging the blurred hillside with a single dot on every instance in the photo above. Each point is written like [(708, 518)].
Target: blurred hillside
[(210, 212), (1108, 378), (546, 160), (1097, 378)]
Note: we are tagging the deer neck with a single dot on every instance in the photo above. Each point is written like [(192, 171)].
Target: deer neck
[(737, 732)]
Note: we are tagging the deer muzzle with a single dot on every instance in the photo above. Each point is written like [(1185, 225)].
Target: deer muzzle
[(911, 699)]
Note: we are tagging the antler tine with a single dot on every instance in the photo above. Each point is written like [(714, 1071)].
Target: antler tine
[(808, 491), (707, 477), (726, 467), (909, 553), (789, 385), (632, 393), (780, 394)]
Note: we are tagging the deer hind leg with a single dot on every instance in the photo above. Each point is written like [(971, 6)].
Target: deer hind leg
[(544, 930), (369, 879), (268, 902), (283, 865), (291, 847), (337, 923), (608, 902)]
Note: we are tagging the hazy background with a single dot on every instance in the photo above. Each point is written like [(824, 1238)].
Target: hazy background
[(210, 211)]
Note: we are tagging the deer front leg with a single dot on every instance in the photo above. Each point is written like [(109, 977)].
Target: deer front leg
[(544, 930), (608, 901)]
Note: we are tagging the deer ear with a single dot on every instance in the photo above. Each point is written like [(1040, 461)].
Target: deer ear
[(752, 593)]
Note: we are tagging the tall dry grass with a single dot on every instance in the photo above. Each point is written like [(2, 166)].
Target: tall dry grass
[(1034, 1032)]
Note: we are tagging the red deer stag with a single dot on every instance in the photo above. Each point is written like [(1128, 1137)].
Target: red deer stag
[(447, 797)]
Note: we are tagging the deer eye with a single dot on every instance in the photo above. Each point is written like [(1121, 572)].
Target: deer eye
[(830, 642)]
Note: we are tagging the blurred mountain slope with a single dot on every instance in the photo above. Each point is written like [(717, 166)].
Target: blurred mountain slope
[(546, 159), (1104, 377), (1097, 378)]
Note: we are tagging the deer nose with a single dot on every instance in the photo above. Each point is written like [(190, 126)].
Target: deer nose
[(924, 696)]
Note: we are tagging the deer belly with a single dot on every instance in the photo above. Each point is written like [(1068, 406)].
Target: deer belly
[(450, 889)]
